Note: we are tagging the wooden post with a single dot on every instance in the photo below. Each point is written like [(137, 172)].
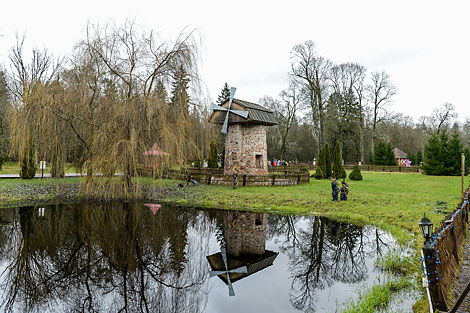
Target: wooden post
[(435, 287), (463, 175), (274, 178), (244, 180)]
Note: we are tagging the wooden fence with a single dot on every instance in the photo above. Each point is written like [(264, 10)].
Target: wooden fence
[(442, 261), (217, 177), (384, 168)]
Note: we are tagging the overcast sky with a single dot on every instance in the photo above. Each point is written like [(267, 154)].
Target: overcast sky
[(423, 45)]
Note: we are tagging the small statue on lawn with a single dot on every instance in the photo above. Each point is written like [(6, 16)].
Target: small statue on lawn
[(344, 190), (334, 189)]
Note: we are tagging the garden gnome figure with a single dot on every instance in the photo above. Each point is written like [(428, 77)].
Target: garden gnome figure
[(344, 190), (334, 189), (235, 176)]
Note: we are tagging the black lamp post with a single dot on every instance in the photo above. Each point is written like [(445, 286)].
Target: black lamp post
[(426, 230)]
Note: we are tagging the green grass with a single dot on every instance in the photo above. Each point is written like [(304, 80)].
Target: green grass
[(395, 262), (376, 297), (392, 201), (14, 168)]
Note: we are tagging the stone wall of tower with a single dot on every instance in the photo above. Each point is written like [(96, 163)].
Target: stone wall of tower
[(245, 233), (245, 147)]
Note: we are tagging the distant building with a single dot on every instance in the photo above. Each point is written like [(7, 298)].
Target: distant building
[(401, 157)]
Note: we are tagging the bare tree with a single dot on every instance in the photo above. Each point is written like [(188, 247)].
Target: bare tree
[(443, 116), (312, 71), (380, 93), (347, 80), (285, 111)]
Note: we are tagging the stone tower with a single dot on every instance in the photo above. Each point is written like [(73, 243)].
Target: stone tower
[(245, 142)]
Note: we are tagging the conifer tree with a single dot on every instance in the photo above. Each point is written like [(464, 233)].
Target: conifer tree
[(338, 168), (160, 92), (327, 156), (433, 162), (453, 161), (222, 159), (212, 160), (383, 154), (419, 157), (224, 95), (466, 152), (180, 86), (356, 173)]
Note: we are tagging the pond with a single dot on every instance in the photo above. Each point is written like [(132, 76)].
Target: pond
[(134, 257)]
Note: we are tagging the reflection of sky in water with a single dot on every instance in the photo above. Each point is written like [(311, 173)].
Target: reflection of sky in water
[(269, 290)]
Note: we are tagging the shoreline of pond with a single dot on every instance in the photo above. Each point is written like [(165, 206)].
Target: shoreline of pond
[(68, 191)]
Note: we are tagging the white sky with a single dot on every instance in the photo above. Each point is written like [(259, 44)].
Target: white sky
[(423, 45)]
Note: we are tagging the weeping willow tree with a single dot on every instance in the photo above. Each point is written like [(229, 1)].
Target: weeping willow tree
[(131, 113), (109, 105), (27, 83)]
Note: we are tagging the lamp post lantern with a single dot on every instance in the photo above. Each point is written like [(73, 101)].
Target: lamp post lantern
[(426, 230)]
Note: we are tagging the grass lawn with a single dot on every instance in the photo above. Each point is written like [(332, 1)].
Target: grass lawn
[(393, 201), (14, 168)]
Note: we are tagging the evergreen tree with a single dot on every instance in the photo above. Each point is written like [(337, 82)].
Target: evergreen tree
[(318, 173), (327, 153), (198, 161), (338, 168), (224, 95), (213, 159), (453, 162), (160, 92), (356, 173), (383, 154), (28, 162), (433, 162), (222, 159), (419, 158), (466, 152), (180, 86)]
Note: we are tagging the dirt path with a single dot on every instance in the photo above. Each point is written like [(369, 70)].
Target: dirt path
[(464, 279)]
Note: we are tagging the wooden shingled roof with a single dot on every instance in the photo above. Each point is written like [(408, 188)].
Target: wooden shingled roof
[(256, 114), (399, 154), (253, 264)]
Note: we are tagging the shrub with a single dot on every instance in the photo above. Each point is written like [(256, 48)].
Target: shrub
[(213, 159), (198, 161), (338, 168), (356, 173), (318, 173)]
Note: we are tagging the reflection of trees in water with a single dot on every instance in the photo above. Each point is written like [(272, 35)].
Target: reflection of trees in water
[(112, 257), (321, 252)]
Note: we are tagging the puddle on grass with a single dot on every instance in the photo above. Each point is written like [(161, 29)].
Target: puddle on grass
[(143, 258)]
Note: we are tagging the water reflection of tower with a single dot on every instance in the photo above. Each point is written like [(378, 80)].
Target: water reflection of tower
[(245, 248)]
